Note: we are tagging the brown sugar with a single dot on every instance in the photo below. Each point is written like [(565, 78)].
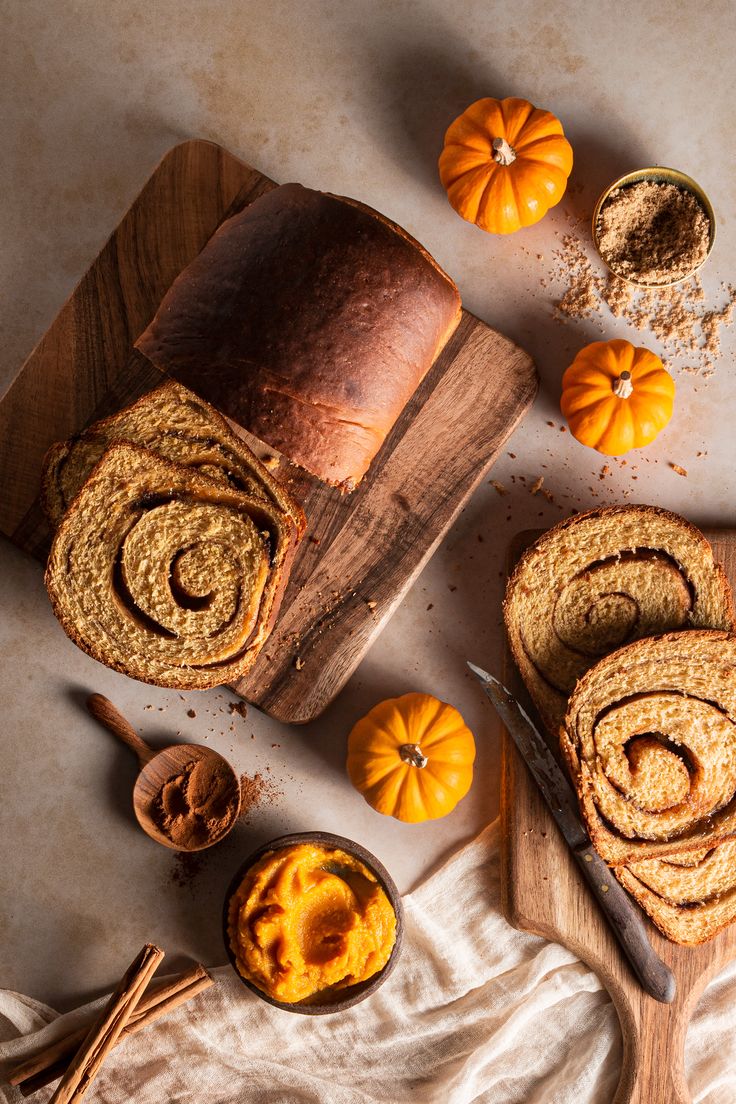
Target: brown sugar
[(678, 316), (653, 233)]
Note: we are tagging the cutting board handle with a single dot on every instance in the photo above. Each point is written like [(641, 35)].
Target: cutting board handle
[(654, 1045)]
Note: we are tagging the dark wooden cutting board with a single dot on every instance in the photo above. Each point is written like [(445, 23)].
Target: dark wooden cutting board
[(363, 550), (545, 894)]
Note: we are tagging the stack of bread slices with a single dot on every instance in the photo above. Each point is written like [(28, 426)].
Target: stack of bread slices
[(622, 626), (172, 544)]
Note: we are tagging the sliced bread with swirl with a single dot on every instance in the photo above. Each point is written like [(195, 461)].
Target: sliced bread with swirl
[(690, 896), (177, 425), (650, 739), (594, 582), (167, 575), (602, 579)]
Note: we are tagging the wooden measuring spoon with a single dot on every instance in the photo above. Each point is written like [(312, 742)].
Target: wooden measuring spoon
[(161, 767)]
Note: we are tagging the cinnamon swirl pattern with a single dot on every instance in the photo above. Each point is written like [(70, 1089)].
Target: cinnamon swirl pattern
[(603, 579), (175, 423), (650, 739), (165, 574), (689, 896)]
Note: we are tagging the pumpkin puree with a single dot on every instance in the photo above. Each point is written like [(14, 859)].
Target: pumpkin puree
[(306, 919)]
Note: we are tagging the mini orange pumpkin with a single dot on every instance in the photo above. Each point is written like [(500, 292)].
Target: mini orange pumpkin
[(504, 164), (616, 397), (411, 757)]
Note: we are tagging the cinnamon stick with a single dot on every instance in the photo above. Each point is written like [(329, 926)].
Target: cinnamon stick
[(47, 1065), (106, 1030)]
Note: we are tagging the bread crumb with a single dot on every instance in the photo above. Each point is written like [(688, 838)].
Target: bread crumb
[(371, 605), (238, 707), (271, 462), (536, 485), (498, 487), (191, 713), (299, 663), (678, 469)]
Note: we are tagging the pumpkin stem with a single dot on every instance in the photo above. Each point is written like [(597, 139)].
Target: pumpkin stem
[(623, 387), (503, 153), (412, 753)]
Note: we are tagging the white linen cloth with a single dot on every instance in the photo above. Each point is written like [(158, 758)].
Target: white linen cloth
[(475, 1011)]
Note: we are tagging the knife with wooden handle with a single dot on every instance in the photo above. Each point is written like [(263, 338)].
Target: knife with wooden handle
[(624, 917)]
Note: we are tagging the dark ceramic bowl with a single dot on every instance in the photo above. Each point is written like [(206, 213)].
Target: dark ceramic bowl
[(338, 999)]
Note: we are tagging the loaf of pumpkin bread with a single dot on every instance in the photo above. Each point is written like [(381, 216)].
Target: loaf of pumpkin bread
[(167, 575), (310, 320), (178, 425)]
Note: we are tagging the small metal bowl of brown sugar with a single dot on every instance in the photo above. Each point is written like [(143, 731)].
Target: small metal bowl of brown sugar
[(654, 227)]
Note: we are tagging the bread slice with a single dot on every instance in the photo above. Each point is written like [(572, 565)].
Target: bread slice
[(690, 896), (310, 320), (602, 579), (178, 425), (650, 740), (167, 575)]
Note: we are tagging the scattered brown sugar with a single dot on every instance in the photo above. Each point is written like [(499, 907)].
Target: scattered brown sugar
[(584, 287), (678, 316), (653, 232), (618, 294)]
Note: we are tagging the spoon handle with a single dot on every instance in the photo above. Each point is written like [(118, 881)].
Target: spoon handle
[(105, 712)]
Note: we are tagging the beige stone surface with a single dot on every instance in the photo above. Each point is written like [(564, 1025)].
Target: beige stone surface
[(353, 98)]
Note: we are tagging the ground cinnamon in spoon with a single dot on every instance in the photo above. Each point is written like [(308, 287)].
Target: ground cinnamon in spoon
[(653, 233), (198, 805)]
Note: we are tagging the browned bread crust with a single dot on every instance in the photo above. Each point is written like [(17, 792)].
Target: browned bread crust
[(650, 733), (178, 425), (166, 575), (310, 320)]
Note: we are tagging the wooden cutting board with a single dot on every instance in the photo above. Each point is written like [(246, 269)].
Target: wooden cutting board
[(363, 550), (545, 894)]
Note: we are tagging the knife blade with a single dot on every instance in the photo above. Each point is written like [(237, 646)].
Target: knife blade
[(623, 916)]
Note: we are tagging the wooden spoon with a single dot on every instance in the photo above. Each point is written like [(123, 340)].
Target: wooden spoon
[(161, 767)]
